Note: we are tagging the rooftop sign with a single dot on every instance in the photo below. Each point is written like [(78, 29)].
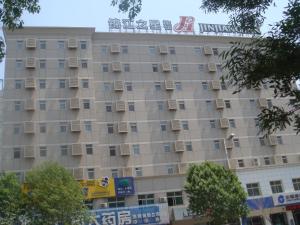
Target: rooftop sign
[(185, 25)]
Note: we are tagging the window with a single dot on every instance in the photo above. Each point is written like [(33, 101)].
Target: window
[(18, 106), (198, 51), (110, 128), (107, 86), (172, 50), (232, 123), (163, 125), (64, 150), (219, 68), (91, 173), (86, 103), (88, 126), (146, 199), (185, 125), (42, 83), (167, 147), (178, 86), (61, 44), (276, 186), (112, 150), (217, 145), (188, 146), (128, 86), (262, 141), (215, 51), (103, 49), (284, 159), (227, 104), (131, 106), (104, 68), (42, 105), (296, 183), (200, 67), (241, 163), (17, 153), (83, 44), (84, 64), (114, 172), (42, 44), (252, 103), (136, 149), (43, 151), (126, 67), (160, 105), (236, 142), (152, 50), (181, 105), (19, 64), (267, 160), (223, 86), (157, 86), (43, 128), (108, 107), (63, 127), (133, 127), (124, 49), (42, 64), (174, 198), (17, 129), (253, 189), (61, 63), (20, 44), (89, 149), (116, 202), (205, 85), (175, 67), (85, 83), (208, 104), (269, 102), (138, 171), (212, 123), (62, 104), (256, 122), (170, 169), (155, 68), (279, 140), (62, 83), (18, 84)]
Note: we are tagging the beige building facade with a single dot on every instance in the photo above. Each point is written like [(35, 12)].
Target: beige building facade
[(128, 104)]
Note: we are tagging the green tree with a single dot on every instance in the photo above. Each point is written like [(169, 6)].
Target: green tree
[(10, 199), (215, 192), (11, 13), (54, 196), (272, 58)]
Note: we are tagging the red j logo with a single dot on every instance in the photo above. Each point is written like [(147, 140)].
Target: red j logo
[(186, 24)]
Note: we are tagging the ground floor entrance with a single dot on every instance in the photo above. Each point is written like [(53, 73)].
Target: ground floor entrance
[(279, 219), (296, 215)]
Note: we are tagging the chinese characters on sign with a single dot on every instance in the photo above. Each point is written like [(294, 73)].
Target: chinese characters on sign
[(140, 215), (124, 186), (286, 198)]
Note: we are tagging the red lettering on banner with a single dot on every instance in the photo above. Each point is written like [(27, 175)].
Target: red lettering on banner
[(186, 24)]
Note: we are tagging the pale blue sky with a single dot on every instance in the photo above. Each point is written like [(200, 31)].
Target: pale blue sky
[(95, 13)]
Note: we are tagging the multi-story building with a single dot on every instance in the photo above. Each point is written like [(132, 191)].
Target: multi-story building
[(137, 105)]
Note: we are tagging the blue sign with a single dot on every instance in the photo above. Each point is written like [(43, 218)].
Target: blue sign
[(138, 215), (124, 186), (260, 203)]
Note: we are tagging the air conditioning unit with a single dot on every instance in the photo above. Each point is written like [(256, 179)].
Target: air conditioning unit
[(118, 85), (262, 102), (73, 62), (122, 127), (224, 123), (74, 103), (29, 152), (166, 67), (125, 150), (78, 173), (179, 146), (162, 199), (30, 62), (29, 127), (72, 43), (212, 67), (175, 125), (75, 126), (163, 49), (127, 172), (30, 105), (116, 67), (73, 82), (30, 83), (120, 106), (216, 85), (172, 105), (103, 205), (220, 104), (182, 168), (169, 85), (77, 149), (30, 43), (114, 49), (207, 50)]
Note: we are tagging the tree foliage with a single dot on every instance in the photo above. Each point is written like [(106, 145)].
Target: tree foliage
[(54, 197), (215, 192), (10, 199), (133, 7)]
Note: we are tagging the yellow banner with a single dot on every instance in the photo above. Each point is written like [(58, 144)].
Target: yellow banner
[(100, 188)]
